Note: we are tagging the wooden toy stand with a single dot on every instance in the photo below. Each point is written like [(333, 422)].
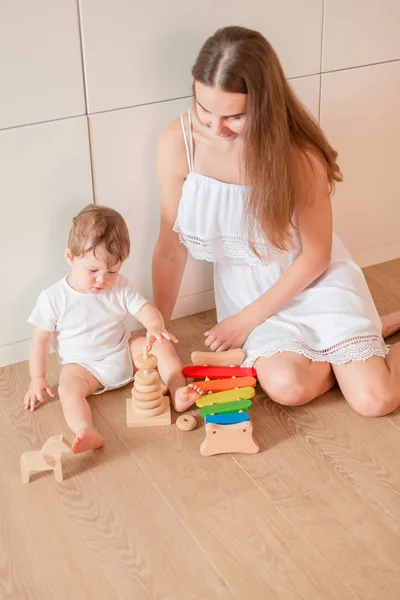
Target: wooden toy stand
[(228, 389), (229, 438), (147, 407)]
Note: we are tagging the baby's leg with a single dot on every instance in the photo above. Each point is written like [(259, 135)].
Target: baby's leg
[(170, 369), (76, 384)]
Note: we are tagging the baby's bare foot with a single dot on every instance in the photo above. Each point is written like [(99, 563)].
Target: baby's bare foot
[(186, 396), (88, 439)]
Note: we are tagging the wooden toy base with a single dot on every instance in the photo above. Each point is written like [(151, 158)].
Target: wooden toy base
[(221, 439), (133, 419)]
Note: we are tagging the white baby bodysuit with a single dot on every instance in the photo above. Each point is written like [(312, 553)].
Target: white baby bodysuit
[(86, 327)]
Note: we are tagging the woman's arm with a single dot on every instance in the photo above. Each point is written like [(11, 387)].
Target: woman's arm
[(169, 257), (314, 217)]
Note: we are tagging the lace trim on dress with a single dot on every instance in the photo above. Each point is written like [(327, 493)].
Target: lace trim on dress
[(356, 348), (223, 246)]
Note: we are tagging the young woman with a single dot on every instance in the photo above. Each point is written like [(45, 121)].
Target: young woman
[(245, 180)]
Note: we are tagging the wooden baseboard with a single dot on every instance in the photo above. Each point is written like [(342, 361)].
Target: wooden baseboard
[(377, 255)]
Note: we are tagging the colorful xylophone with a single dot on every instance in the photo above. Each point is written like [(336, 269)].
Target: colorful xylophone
[(228, 391)]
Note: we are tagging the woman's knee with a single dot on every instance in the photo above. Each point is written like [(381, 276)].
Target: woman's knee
[(287, 388), (374, 399), (293, 380)]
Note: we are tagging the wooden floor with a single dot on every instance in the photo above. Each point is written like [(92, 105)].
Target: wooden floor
[(314, 515)]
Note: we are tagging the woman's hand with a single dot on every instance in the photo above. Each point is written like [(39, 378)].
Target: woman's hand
[(229, 333), (158, 334)]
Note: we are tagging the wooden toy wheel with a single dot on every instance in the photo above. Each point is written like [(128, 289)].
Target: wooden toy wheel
[(186, 422)]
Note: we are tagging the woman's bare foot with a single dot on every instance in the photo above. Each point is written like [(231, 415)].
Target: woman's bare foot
[(88, 439), (186, 396), (390, 324)]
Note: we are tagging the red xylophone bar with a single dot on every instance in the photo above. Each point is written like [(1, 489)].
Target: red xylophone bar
[(217, 372)]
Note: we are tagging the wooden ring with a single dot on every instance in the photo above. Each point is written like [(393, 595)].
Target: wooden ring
[(186, 422), (145, 363), (147, 405), (141, 387), (149, 412), (144, 396), (147, 378)]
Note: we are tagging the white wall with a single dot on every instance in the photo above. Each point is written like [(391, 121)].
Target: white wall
[(87, 87)]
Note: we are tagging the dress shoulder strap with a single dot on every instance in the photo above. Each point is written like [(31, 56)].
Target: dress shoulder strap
[(188, 142)]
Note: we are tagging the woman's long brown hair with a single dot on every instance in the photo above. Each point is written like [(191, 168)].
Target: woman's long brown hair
[(240, 60)]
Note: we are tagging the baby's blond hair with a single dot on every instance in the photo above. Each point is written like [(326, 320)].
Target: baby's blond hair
[(98, 226)]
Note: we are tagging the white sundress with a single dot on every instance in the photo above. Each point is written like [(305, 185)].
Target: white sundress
[(334, 319)]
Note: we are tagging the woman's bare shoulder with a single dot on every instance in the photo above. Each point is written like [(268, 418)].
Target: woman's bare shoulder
[(171, 148), (171, 138)]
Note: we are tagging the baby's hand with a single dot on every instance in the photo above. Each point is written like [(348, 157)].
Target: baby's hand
[(35, 393), (158, 334)]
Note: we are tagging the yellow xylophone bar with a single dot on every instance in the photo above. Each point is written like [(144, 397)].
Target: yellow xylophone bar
[(221, 397)]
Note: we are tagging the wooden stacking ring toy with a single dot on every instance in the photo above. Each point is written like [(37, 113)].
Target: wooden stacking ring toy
[(147, 405)]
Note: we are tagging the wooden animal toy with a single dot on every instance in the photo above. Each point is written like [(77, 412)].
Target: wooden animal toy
[(46, 459), (230, 358), (147, 407)]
